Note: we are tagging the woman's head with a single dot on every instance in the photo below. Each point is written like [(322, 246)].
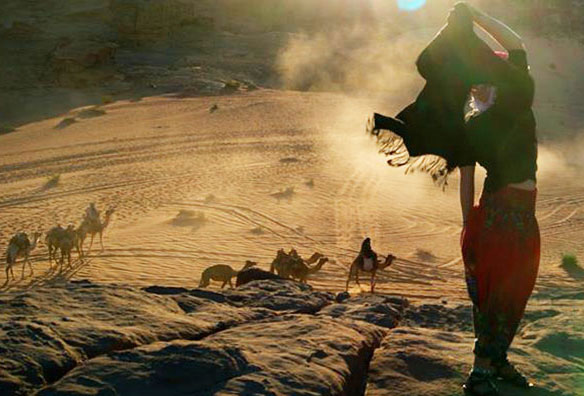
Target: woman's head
[(482, 96)]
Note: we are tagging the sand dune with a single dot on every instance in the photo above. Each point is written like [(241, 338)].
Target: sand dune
[(263, 171), (231, 169)]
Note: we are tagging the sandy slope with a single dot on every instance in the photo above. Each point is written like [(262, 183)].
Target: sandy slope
[(194, 188)]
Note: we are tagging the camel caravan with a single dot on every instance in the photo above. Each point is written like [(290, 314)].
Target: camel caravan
[(60, 242), (291, 266)]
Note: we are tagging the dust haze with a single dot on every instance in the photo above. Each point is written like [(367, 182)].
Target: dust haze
[(221, 131)]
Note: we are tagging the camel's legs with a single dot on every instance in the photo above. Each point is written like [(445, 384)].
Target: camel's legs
[(78, 249), (27, 261), (56, 259), (50, 258), (61, 262), (7, 275), (90, 243), (349, 278), (101, 240), (80, 244), (230, 284), (223, 285), (29, 266)]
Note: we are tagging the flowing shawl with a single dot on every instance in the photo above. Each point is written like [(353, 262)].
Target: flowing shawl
[(429, 134)]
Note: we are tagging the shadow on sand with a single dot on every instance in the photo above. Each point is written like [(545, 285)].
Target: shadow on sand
[(54, 275)]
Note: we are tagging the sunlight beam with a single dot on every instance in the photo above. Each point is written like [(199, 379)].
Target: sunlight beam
[(410, 5)]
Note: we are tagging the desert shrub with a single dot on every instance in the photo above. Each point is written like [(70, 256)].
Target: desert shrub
[(5, 129), (569, 261), (106, 99), (65, 122), (52, 181)]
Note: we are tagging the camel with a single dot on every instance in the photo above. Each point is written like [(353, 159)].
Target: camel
[(20, 246), (67, 243), (222, 273), (299, 270), (283, 263), (367, 261), (311, 260), (253, 274), (63, 240), (92, 228), (280, 265)]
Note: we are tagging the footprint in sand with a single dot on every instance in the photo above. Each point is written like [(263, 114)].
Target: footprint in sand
[(288, 193), (189, 218), (257, 231)]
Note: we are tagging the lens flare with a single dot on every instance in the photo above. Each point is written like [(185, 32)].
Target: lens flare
[(410, 5)]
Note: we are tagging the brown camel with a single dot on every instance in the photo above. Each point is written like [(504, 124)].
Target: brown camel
[(62, 240), (20, 246), (281, 264), (253, 274), (222, 273), (284, 262), (367, 261), (299, 270), (89, 227)]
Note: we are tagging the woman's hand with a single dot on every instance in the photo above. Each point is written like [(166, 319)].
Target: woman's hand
[(502, 33), (475, 12)]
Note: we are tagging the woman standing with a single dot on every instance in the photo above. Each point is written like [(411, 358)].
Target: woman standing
[(500, 239), (500, 242)]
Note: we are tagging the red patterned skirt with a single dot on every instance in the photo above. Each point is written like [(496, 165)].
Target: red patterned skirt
[(501, 251)]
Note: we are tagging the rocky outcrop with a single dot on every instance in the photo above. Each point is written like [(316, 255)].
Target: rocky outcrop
[(287, 355), (384, 311), (418, 361), (157, 20), (266, 337), (430, 352), (84, 63), (83, 338), (48, 332)]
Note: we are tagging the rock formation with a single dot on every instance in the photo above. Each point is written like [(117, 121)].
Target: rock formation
[(266, 337)]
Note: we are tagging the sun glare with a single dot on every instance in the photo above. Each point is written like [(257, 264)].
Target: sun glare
[(410, 5)]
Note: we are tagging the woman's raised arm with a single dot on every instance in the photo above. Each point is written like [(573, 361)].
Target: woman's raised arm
[(502, 33)]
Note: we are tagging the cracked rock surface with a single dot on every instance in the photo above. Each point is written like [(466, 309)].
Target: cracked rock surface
[(267, 338)]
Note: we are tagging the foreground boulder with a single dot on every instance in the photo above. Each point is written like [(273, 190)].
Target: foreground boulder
[(47, 332), (265, 338), (84, 338), (295, 354), (417, 361), (384, 311), (275, 295)]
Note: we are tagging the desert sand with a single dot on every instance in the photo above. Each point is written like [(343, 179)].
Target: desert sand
[(197, 181), (222, 131), (194, 187)]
